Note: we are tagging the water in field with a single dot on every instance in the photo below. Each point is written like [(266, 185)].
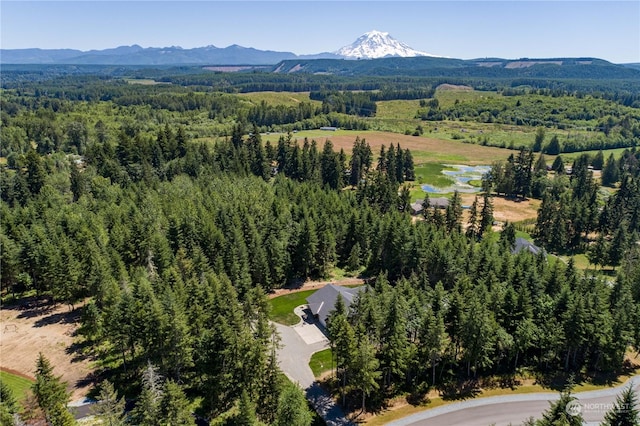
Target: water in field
[(461, 176)]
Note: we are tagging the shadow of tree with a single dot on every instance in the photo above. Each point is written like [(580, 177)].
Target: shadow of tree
[(460, 390), (59, 318)]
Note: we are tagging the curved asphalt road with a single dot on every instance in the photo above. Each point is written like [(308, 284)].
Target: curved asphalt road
[(514, 409)]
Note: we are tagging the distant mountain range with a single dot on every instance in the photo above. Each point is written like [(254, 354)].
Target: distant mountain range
[(374, 44), (384, 56)]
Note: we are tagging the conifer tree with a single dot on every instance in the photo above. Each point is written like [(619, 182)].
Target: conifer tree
[(453, 213), (425, 206), (292, 408), (433, 340), (8, 404), (109, 408), (539, 140), (558, 165), (364, 368), (354, 262), (382, 160), (625, 410), (473, 225), (610, 174), (147, 409), (486, 216), (508, 235), (598, 161), (409, 168), (246, 411), (342, 340), (174, 406), (394, 345), (553, 148), (36, 172), (565, 411), (51, 393)]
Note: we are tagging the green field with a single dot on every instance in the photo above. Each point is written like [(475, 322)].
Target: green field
[(19, 385), (279, 98), (448, 97), (282, 307), (569, 157), (321, 362), (431, 173)]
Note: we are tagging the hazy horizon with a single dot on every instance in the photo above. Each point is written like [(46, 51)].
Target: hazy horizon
[(457, 29)]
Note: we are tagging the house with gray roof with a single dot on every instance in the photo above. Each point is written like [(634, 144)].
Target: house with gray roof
[(522, 244), (323, 301), (437, 202)]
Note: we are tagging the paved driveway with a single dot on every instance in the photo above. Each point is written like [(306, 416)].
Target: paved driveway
[(294, 355), (297, 344)]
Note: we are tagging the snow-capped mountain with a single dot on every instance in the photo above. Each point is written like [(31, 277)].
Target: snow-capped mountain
[(377, 44)]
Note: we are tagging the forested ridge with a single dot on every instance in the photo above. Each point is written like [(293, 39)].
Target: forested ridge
[(169, 245)]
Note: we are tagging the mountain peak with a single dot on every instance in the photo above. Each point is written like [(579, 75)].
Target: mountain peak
[(377, 44)]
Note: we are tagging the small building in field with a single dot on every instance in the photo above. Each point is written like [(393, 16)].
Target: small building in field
[(329, 128), (322, 302)]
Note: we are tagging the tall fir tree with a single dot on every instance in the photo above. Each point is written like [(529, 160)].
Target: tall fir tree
[(292, 408), (624, 411), (109, 408)]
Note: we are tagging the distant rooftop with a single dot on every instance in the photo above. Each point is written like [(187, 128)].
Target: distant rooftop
[(522, 244)]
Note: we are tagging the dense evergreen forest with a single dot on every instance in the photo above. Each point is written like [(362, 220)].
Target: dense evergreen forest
[(169, 245)]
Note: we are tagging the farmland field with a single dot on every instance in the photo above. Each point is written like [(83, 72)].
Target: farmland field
[(278, 98), (424, 149)]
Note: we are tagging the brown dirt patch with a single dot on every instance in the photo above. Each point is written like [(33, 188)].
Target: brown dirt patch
[(314, 285), (505, 210), (34, 326)]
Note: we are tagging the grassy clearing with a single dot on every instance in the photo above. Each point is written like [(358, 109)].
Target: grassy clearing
[(19, 385), (400, 109), (143, 81), (279, 98), (282, 307), (425, 149), (617, 153), (321, 362), (431, 173), (447, 98)]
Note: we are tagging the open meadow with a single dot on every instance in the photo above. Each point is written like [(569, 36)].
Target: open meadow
[(424, 149)]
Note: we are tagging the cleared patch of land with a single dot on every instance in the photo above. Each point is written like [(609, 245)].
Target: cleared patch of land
[(282, 307), (143, 81), (507, 210), (32, 326), (278, 98), (424, 149)]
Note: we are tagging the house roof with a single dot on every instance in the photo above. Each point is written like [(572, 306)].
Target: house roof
[(439, 202), (323, 301), (417, 206), (522, 244)]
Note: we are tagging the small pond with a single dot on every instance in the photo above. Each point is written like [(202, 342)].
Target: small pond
[(460, 176)]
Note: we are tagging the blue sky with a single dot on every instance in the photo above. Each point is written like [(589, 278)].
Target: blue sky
[(459, 29)]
